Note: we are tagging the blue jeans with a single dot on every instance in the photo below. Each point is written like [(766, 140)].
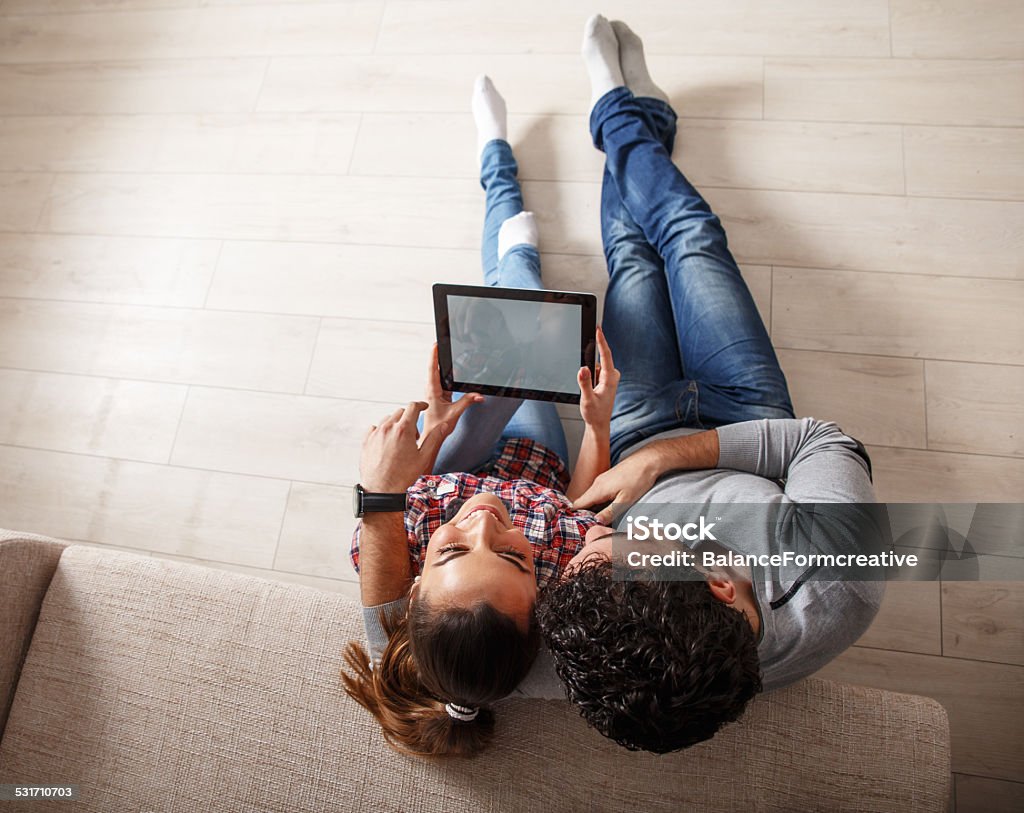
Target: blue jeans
[(687, 337), (484, 428)]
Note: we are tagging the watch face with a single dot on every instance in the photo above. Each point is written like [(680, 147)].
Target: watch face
[(357, 501)]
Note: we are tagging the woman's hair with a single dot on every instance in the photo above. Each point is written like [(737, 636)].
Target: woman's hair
[(468, 657)]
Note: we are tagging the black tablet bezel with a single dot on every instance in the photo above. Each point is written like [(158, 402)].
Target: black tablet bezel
[(588, 347)]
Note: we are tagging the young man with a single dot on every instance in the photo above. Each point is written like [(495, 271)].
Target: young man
[(702, 416)]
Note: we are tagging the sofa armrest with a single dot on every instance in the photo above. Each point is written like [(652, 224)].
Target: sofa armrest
[(27, 563)]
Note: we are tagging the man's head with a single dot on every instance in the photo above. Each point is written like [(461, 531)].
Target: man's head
[(654, 665)]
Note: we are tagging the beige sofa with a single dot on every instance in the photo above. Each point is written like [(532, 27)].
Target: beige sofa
[(158, 686)]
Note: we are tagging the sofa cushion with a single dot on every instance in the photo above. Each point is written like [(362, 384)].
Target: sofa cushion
[(27, 563), (159, 686)]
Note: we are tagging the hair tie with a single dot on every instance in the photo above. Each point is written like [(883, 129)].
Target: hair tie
[(466, 714)]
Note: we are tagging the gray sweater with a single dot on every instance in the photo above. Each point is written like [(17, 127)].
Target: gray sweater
[(805, 621)]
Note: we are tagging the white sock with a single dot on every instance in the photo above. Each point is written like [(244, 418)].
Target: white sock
[(517, 230), (489, 112), (601, 56), (634, 65)]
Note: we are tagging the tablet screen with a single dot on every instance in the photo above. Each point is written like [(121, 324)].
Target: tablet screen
[(511, 343), (514, 342)]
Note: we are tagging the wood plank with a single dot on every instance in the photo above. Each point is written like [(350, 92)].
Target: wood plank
[(101, 416), (759, 281), (727, 27), (712, 152), (204, 514), (967, 238), (965, 162), (909, 619), (957, 28), (190, 33), (365, 282), (547, 148), (230, 142), (720, 87), (158, 344), (985, 620), (265, 207), (371, 361), (978, 794), (150, 86), (378, 211), (121, 270), (899, 315), (361, 282), (317, 532), (985, 702), (288, 436), (63, 6), (877, 400), (798, 156), (900, 91), (909, 475), (22, 198), (975, 408), (568, 215)]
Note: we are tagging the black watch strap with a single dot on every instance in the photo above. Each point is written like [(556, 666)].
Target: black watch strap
[(374, 502)]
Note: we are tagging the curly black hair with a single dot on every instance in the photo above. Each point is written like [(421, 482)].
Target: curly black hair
[(653, 665)]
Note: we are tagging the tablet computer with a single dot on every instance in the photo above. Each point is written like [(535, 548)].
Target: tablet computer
[(514, 342)]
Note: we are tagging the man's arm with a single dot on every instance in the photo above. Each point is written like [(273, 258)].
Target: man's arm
[(816, 459), (630, 479)]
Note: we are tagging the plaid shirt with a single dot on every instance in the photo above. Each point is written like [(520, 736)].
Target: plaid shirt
[(529, 479)]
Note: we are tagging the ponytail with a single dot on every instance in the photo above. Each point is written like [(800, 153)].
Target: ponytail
[(468, 657)]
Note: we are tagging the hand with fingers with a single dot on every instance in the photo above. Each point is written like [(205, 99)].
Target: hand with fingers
[(440, 406), (394, 455), (623, 484), (598, 400)]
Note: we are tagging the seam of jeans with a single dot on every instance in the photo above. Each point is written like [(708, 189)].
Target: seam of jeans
[(692, 396)]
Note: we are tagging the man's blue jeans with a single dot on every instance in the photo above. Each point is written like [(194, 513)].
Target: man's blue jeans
[(686, 334), (685, 331), (483, 429)]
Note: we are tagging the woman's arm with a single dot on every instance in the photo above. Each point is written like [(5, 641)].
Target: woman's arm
[(594, 459), (384, 570), (392, 459), (634, 476), (596, 404)]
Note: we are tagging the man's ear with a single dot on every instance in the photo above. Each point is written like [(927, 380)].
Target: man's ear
[(722, 588)]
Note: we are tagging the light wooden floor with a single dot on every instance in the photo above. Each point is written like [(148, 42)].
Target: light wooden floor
[(219, 222)]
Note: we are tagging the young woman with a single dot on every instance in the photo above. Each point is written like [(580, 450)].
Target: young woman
[(449, 586)]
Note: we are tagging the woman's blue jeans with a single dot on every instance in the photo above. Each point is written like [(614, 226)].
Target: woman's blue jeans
[(484, 428), (685, 331), (686, 334)]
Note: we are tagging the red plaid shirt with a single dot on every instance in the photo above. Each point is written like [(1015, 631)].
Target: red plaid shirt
[(529, 479)]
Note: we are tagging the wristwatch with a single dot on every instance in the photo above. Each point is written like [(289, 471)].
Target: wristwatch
[(372, 502)]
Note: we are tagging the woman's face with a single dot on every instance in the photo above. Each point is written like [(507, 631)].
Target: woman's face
[(479, 556)]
